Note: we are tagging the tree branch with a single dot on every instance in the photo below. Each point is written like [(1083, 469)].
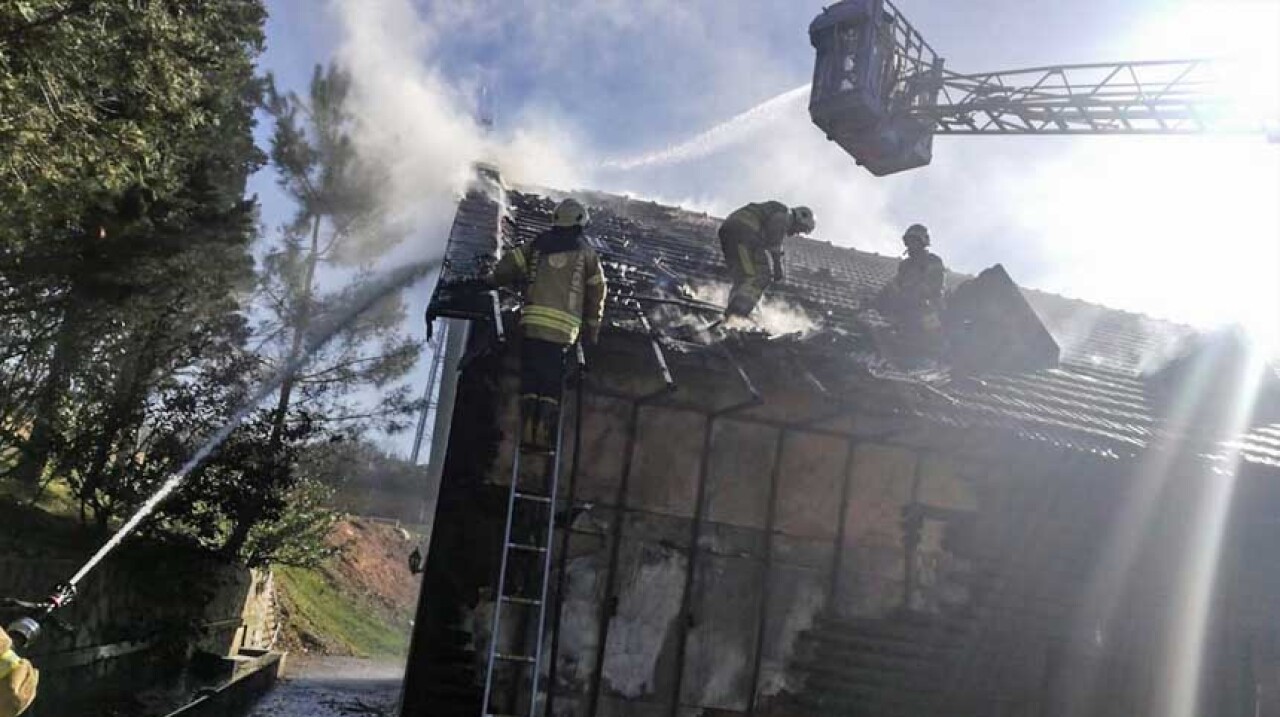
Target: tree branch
[(74, 8)]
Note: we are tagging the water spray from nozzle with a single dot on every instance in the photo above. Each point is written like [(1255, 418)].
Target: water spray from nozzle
[(28, 628)]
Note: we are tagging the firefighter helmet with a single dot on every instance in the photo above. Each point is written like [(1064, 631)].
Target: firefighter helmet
[(802, 220), (916, 231), (570, 213)]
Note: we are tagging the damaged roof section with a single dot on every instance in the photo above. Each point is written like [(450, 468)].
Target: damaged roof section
[(832, 282), (667, 278)]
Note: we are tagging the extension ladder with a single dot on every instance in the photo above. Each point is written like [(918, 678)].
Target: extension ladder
[(531, 549)]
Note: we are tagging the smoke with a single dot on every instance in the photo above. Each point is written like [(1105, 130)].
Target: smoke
[(779, 316), (771, 151), (421, 129), (418, 124), (774, 315), (986, 201)]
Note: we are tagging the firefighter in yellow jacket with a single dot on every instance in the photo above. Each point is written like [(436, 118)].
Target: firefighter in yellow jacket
[(18, 680), (751, 238), (564, 291)]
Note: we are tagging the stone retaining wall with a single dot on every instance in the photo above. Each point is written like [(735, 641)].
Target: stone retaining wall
[(137, 620)]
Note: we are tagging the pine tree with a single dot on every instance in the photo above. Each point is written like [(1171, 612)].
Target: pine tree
[(314, 265), (125, 143)]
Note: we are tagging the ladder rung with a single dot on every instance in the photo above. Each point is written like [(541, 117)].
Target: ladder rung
[(527, 548), (514, 658), (520, 600), (533, 497), (537, 451)]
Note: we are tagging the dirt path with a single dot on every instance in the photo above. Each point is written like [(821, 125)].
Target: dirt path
[(334, 687)]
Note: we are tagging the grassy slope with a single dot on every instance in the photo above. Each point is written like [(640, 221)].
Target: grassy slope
[(326, 618), (358, 603)]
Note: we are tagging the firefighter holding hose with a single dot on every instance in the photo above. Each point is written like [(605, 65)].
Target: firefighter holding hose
[(18, 679)]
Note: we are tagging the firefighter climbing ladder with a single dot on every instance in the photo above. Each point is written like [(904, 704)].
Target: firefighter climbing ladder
[(533, 548)]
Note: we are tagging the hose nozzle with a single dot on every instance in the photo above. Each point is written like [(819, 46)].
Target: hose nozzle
[(23, 631)]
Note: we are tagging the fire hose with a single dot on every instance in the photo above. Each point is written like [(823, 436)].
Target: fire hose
[(27, 628)]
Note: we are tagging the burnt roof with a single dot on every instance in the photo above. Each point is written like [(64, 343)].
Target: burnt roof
[(834, 280), (1095, 401)]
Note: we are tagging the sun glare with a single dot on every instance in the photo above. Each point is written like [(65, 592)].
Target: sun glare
[(1242, 36), (1183, 228)]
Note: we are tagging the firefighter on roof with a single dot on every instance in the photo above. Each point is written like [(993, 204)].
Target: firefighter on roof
[(913, 299), (18, 680), (752, 241), (564, 290)]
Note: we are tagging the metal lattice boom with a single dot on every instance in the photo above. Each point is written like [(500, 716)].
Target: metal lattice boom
[(1165, 97), (882, 93)]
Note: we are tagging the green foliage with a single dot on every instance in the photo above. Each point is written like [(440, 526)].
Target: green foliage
[(127, 278), (296, 537), (125, 235), (321, 257), (125, 145), (100, 97), (251, 485)]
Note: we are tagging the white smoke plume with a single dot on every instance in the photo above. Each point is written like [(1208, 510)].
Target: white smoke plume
[(774, 315), (419, 125), (421, 129)]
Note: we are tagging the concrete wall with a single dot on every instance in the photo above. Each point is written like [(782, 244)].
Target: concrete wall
[(136, 618), (775, 503), (715, 543)]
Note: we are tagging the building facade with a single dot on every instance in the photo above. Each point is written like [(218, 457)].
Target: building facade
[(777, 522)]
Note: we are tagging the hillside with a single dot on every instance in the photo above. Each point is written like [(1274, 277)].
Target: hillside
[(358, 603)]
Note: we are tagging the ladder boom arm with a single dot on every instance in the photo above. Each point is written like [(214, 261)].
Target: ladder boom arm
[(882, 93), (1163, 97)]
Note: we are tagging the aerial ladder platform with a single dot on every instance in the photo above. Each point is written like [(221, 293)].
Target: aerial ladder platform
[(882, 93)]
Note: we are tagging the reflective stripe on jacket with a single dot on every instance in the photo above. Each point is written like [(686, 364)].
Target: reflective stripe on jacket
[(563, 285)]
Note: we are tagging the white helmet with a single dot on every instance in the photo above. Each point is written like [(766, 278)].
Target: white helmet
[(570, 213), (802, 219)]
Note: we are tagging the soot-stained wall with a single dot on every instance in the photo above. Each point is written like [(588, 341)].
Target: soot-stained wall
[(787, 517), (707, 550)]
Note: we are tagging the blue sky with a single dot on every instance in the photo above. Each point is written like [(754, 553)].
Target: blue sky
[(1185, 229)]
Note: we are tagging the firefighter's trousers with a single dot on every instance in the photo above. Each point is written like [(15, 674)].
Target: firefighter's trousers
[(748, 266), (541, 382)]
